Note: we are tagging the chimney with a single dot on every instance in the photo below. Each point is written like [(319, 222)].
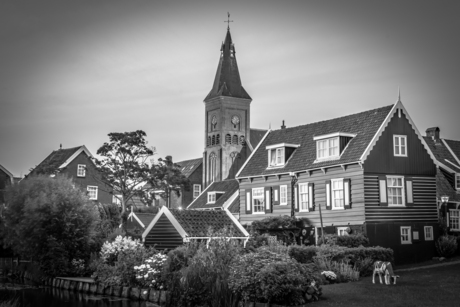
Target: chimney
[(433, 133), (283, 126)]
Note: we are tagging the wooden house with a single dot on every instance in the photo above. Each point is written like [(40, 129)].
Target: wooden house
[(369, 172), (76, 163), (172, 227), (447, 154)]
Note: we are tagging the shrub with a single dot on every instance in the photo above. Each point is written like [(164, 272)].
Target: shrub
[(275, 222), (446, 245), (354, 240), (355, 254), (343, 271), (303, 254), (110, 250), (149, 273)]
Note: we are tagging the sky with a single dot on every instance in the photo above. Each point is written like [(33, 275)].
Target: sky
[(73, 71)]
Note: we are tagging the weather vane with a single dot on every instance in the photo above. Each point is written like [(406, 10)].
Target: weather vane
[(228, 21)]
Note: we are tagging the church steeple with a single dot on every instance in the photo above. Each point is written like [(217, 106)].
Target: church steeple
[(227, 81)]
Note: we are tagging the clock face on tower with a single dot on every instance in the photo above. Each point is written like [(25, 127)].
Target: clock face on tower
[(235, 120)]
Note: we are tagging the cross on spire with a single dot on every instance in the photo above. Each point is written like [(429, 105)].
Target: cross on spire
[(228, 21)]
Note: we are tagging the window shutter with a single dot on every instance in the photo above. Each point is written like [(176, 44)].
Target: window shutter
[(328, 195), (409, 192), (447, 221), (276, 195), (268, 200), (248, 201), (347, 193), (383, 191), (311, 197), (296, 198)]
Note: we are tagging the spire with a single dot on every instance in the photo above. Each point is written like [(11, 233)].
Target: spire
[(227, 81), (399, 94)]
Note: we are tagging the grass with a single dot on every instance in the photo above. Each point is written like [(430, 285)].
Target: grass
[(438, 286)]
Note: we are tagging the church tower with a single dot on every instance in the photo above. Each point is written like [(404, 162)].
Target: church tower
[(227, 119)]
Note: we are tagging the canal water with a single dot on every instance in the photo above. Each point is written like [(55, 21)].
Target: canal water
[(29, 296)]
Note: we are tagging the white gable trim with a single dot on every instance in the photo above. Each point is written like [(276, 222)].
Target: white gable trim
[(439, 164), (451, 152), (170, 217), (235, 221), (202, 193), (282, 145), (231, 199), (252, 153), (7, 172), (132, 214), (396, 108), (72, 157), (335, 134)]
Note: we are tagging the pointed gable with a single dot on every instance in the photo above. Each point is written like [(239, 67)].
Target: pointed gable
[(225, 190)]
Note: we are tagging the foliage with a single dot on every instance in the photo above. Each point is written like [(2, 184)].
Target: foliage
[(338, 253), (167, 176), (303, 254), (352, 240), (342, 270), (275, 246), (149, 273), (110, 220), (121, 272), (51, 222), (446, 245), (110, 250), (274, 222), (124, 165)]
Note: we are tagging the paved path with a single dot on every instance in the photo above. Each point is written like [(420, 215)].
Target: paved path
[(429, 266)]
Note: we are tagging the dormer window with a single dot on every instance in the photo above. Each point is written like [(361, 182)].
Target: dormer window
[(331, 146), (214, 196), (279, 154)]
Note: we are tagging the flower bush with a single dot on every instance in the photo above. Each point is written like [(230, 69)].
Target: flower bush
[(329, 275), (110, 250), (446, 245), (149, 274)]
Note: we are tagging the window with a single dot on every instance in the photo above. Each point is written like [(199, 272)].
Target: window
[(395, 188), (92, 192), (235, 140), (303, 196), (81, 170), (196, 190), (457, 181), (211, 197), (213, 142), (342, 231), (337, 194), (328, 148), (428, 230), (400, 145), (116, 199), (218, 139), (258, 201), (276, 156), (406, 235), (283, 195), (454, 219), (212, 166), (228, 139)]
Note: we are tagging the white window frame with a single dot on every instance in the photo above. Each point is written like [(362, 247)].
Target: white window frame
[(211, 197), (406, 238), (327, 148), (276, 157), (428, 234), (457, 181), (195, 190), (342, 231), (283, 195), (333, 198), (259, 195), (116, 199), (454, 219), (90, 189), (306, 195), (81, 170), (399, 146), (402, 188)]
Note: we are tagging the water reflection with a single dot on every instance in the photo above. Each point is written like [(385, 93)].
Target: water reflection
[(53, 297)]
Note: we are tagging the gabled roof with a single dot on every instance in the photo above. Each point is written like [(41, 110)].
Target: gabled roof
[(143, 219), (196, 223), (189, 166), (454, 147), (234, 206), (7, 172), (59, 159), (227, 81), (256, 136), (443, 187), (444, 154), (229, 187)]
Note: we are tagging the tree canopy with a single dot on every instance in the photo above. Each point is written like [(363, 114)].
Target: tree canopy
[(50, 221)]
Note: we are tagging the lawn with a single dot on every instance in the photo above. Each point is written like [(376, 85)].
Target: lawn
[(439, 286)]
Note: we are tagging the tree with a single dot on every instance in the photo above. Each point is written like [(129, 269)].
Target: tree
[(50, 221), (168, 177), (124, 165)]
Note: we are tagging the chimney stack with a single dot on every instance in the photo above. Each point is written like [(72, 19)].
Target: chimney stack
[(283, 126), (433, 133)]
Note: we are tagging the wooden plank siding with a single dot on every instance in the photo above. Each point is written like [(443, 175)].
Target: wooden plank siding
[(382, 160), (354, 216), (423, 209), (163, 235)]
